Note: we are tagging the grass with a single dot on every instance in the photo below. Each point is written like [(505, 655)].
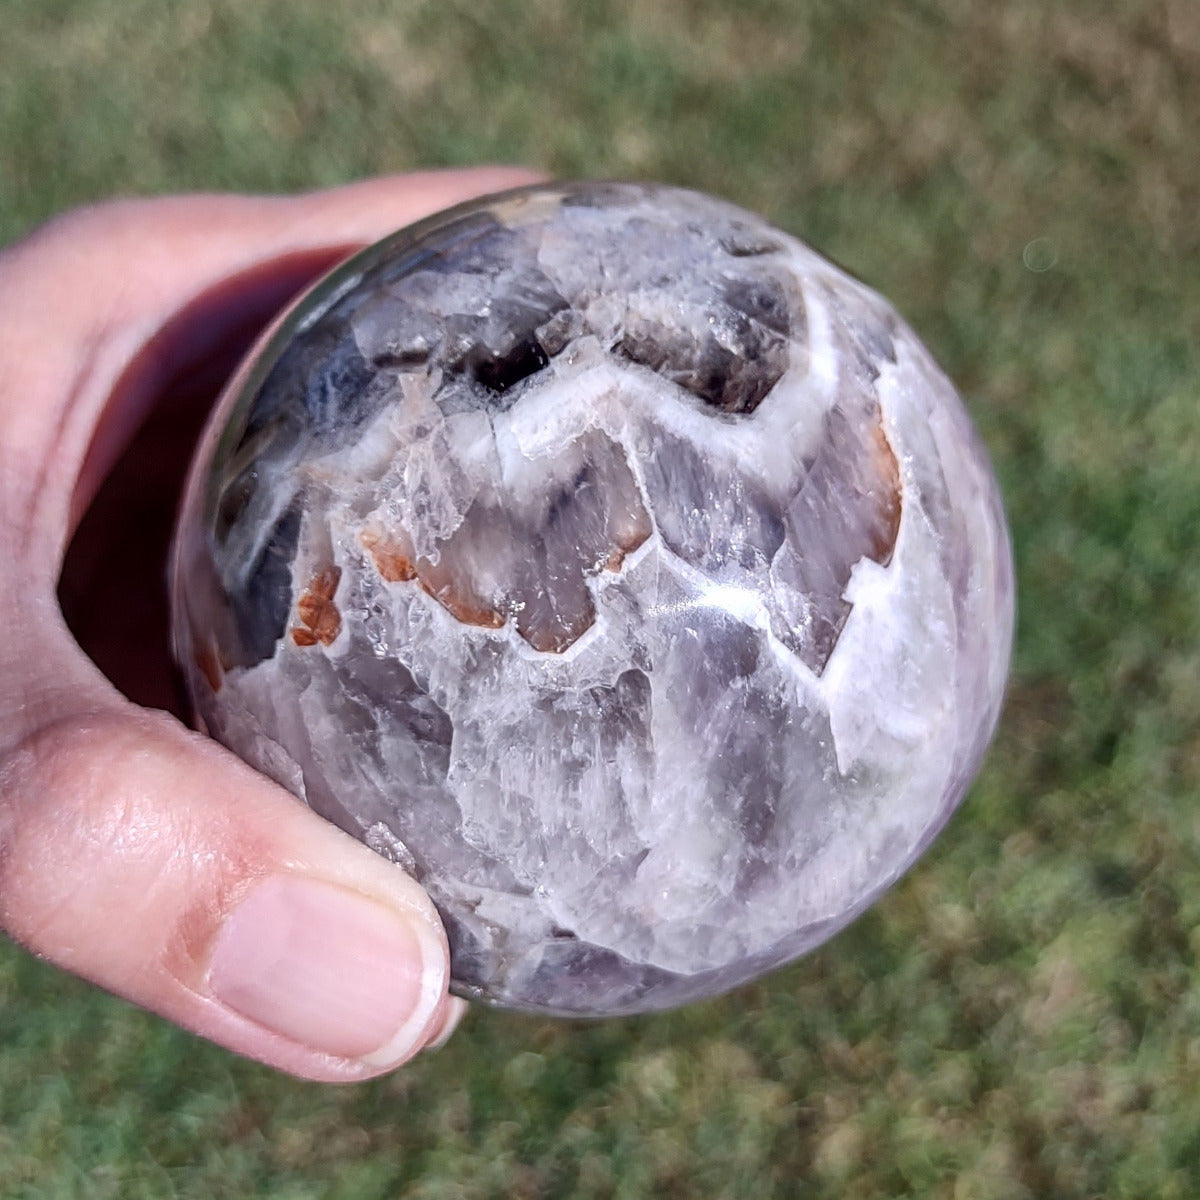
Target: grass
[(1021, 1016)]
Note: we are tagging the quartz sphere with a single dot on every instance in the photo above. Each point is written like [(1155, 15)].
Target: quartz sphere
[(616, 565)]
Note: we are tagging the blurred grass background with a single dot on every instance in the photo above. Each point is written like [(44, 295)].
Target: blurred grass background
[(1021, 1016)]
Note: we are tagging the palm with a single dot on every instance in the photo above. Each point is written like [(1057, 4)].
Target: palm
[(113, 589)]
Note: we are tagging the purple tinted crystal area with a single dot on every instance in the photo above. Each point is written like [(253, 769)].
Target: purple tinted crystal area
[(617, 566)]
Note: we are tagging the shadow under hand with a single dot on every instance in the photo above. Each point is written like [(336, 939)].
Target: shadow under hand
[(113, 587)]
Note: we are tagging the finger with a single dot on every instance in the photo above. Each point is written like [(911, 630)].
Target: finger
[(147, 859), (90, 309)]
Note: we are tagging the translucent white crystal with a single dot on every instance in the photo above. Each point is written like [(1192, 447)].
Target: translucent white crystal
[(617, 565)]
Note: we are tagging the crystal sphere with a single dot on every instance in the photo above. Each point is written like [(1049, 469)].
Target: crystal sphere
[(616, 565)]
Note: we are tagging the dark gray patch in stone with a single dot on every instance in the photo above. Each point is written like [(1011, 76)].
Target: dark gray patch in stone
[(740, 241), (500, 345), (847, 509), (260, 606), (864, 332), (725, 541), (738, 358)]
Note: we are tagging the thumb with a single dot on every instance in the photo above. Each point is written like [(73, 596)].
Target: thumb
[(147, 859)]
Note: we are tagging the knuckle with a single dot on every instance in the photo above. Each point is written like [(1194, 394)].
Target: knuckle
[(64, 232), (102, 818), (65, 803)]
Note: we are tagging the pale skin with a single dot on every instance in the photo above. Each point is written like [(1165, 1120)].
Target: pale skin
[(128, 843)]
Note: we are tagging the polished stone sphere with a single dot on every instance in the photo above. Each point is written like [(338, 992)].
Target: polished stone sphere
[(617, 566)]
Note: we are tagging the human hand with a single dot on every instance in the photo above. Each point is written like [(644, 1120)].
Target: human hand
[(134, 852)]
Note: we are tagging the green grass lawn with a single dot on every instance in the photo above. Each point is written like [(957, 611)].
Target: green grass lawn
[(1021, 1016)]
